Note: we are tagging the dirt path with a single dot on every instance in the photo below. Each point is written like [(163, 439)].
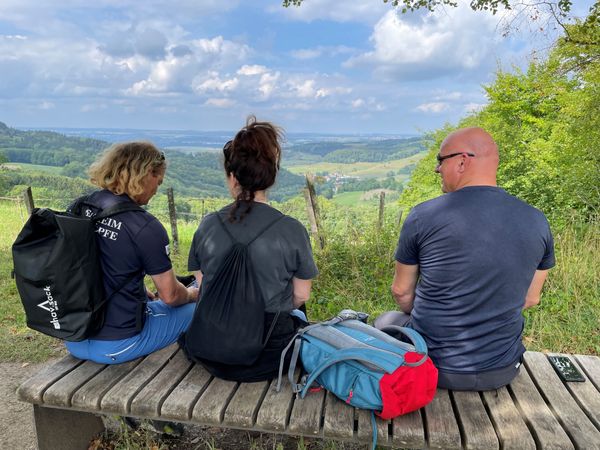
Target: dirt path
[(16, 417)]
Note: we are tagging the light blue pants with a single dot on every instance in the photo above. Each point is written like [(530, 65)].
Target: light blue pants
[(163, 326)]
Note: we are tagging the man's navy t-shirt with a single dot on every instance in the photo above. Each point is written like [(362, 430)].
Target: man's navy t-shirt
[(477, 250), (132, 244)]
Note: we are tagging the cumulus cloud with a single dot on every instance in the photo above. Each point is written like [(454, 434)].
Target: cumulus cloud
[(365, 11), (250, 70), (220, 102), (214, 83), (433, 108), (436, 45), (321, 51)]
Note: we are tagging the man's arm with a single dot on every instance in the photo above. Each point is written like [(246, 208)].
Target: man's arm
[(404, 285), (171, 291), (301, 291), (535, 289)]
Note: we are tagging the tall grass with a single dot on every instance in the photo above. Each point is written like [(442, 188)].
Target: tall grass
[(356, 268)]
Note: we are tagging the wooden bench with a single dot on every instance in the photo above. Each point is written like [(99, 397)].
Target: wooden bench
[(537, 411)]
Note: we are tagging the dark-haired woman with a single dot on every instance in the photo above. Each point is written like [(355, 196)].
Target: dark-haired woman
[(281, 257)]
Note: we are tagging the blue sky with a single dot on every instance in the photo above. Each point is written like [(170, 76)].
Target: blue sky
[(329, 66)]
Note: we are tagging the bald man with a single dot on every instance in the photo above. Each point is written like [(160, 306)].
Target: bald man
[(467, 264)]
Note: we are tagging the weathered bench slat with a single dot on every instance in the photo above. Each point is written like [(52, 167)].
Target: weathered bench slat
[(510, 427), (32, 390), (574, 420), (365, 428), (476, 426), (90, 394), (178, 405), (243, 407), (339, 418), (547, 431), (306, 414), (118, 399), (591, 366), (442, 428), (60, 393), (587, 395), (149, 400), (408, 431), (211, 405), (276, 407)]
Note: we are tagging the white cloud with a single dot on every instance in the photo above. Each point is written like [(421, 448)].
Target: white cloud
[(216, 84), (267, 84), (364, 11), (250, 70), (321, 51), (47, 105), (434, 107), (473, 107), (220, 102), (435, 45)]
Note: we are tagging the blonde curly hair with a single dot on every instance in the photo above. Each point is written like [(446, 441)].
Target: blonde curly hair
[(123, 166)]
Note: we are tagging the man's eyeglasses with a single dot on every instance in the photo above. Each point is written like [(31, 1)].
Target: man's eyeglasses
[(441, 158)]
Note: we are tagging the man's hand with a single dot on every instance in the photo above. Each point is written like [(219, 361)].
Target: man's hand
[(404, 285)]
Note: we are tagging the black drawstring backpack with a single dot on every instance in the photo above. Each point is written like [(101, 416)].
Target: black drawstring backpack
[(229, 321), (58, 271)]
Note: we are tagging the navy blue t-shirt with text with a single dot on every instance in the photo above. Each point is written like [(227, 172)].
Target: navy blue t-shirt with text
[(132, 244)]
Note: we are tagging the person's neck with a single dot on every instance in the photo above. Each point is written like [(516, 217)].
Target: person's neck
[(260, 197)]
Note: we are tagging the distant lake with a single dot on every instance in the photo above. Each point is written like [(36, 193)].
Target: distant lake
[(195, 140)]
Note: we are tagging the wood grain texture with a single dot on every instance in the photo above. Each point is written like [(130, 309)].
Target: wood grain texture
[(243, 407), (477, 429), (276, 407), (575, 422), (365, 428), (588, 394), (339, 418), (90, 394), (148, 401), (442, 428), (591, 366), (408, 431), (210, 407), (61, 392), (509, 425), (180, 402), (306, 414), (118, 399), (32, 390), (546, 430)]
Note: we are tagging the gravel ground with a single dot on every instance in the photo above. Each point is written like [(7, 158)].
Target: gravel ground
[(16, 417)]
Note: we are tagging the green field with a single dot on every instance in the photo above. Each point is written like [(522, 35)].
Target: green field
[(357, 169), (54, 170), (356, 269)]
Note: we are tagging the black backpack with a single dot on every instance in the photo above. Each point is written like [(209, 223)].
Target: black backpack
[(229, 321), (58, 270)]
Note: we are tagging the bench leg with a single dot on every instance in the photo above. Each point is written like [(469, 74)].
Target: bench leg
[(63, 429)]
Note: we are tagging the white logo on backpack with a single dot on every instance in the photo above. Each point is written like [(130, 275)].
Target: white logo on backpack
[(51, 306)]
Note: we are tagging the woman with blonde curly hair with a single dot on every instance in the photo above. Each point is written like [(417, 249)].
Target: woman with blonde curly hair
[(133, 244)]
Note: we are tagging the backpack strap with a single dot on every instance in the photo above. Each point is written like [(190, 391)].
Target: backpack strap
[(416, 339), (260, 233), (118, 208)]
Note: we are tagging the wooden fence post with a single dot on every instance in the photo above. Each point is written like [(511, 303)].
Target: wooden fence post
[(28, 200), (312, 209), (381, 209), (173, 220), (400, 217)]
